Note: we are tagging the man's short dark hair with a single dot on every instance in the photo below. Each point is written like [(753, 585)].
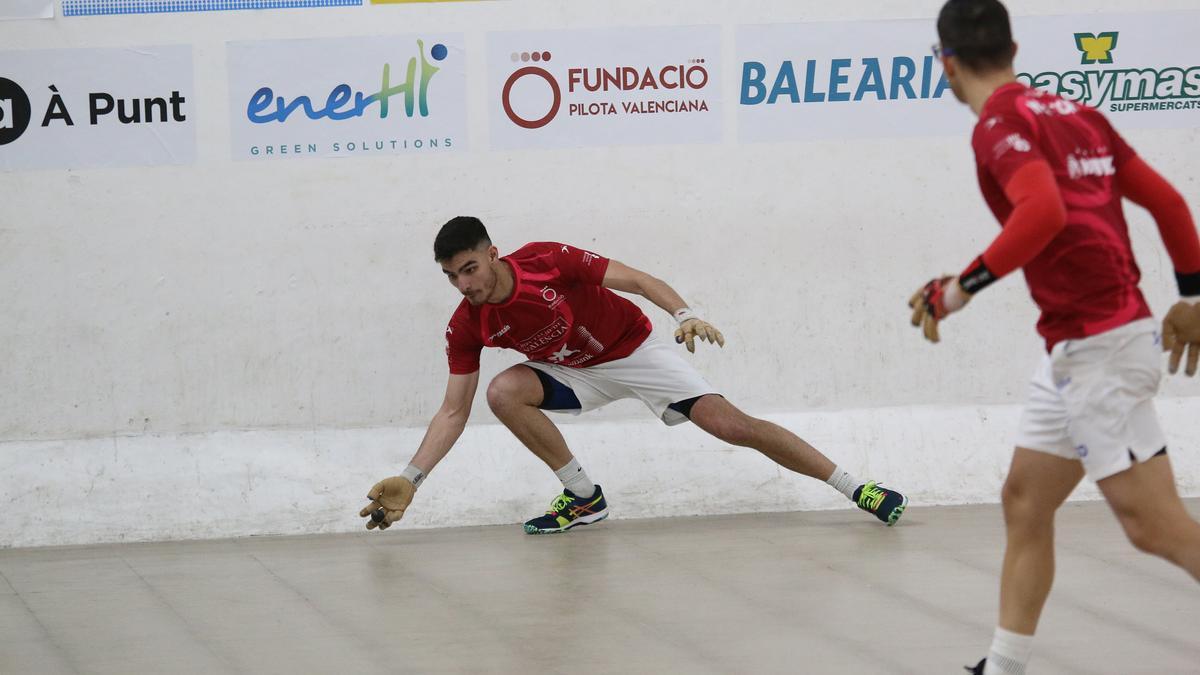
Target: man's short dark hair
[(463, 233), (977, 32)]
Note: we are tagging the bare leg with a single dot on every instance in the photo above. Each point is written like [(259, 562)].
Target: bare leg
[(722, 419), (1037, 485), (514, 396), (1145, 501)]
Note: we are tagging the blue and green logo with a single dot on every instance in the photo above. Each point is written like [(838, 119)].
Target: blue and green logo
[(343, 102)]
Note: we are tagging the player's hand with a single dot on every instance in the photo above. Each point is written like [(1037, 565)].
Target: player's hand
[(389, 498), (693, 328), (1181, 332), (935, 301)]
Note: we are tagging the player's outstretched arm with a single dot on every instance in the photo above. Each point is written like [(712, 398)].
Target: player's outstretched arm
[(1181, 326), (390, 497), (1038, 215), (621, 277)]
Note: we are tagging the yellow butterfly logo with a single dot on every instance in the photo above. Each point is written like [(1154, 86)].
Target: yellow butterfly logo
[(1096, 48)]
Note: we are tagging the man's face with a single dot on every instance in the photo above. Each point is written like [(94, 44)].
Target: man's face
[(473, 273)]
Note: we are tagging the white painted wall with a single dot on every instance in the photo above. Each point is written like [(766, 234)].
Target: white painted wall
[(240, 348)]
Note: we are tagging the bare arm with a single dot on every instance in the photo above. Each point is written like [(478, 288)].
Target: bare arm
[(391, 496), (448, 424), (621, 277)]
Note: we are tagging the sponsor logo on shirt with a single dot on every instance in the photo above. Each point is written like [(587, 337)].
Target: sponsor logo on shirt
[(1082, 167), (1052, 107), (545, 336), (592, 347), (502, 331), (588, 258), (1011, 142), (562, 354), (553, 297)]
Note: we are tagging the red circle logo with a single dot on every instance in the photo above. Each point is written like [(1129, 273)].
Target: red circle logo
[(521, 121)]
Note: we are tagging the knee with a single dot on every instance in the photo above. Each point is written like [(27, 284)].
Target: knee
[(505, 391), (1146, 536), (1022, 507)]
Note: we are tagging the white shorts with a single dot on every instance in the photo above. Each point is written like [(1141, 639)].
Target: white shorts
[(655, 372), (1093, 400)]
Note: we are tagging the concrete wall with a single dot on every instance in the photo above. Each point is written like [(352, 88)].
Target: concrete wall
[(234, 348)]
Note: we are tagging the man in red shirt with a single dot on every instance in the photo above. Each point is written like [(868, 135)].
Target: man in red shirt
[(587, 346), (1054, 172)]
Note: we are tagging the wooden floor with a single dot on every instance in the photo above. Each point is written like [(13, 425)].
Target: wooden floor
[(824, 593)]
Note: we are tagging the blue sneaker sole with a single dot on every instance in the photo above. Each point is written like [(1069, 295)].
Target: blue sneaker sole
[(585, 520)]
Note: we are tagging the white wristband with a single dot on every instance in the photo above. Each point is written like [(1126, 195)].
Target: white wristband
[(682, 315), (414, 475), (954, 298)]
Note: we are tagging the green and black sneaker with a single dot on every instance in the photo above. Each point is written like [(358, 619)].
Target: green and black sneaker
[(568, 510), (887, 505)]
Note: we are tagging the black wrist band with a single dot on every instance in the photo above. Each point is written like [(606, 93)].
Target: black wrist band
[(976, 277), (1189, 284)]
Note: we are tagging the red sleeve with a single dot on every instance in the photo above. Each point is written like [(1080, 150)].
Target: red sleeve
[(1037, 217), (576, 265), (463, 344), (1145, 187)]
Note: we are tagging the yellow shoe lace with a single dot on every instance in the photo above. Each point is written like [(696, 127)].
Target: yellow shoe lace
[(871, 496), (560, 502)]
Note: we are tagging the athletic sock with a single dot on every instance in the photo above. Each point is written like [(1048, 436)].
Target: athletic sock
[(843, 482), (1009, 653), (575, 479)]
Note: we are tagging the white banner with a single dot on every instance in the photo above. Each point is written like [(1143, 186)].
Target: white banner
[(879, 79), (74, 108), (1141, 70), (864, 79), (638, 86), (348, 97)]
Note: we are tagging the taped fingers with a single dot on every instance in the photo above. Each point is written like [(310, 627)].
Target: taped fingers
[(1177, 348)]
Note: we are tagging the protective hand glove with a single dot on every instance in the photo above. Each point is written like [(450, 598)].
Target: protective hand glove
[(935, 301), (389, 498), (692, 327), (1181, 331)]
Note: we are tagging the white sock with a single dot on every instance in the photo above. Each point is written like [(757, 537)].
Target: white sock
[(1009, 653), (575, 479), (843, 482)]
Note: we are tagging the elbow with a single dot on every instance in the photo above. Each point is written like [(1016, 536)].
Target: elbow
[(1170, 205), (1049, 211), (1057, 215)]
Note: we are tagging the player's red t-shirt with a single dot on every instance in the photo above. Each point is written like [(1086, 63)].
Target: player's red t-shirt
[(558, 313), (1086, 280)]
